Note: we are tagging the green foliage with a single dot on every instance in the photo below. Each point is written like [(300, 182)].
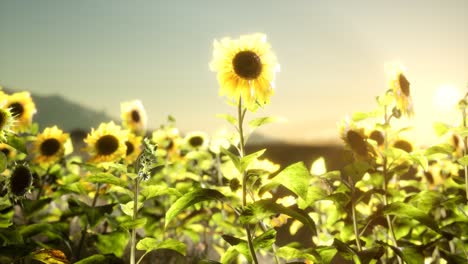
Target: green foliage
[(189, 199), (262, 209), (150, 244), (295, 177)]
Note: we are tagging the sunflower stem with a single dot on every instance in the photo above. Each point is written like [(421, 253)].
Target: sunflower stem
[(135, 214), (465, 148), (241, 114), (385, 180), (41, 183), (353, 212), (85, 229)]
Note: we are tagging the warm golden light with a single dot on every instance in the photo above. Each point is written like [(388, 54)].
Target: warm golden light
[(446, 97)]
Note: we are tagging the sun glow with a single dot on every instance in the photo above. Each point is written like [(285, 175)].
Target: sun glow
[(446, 98)]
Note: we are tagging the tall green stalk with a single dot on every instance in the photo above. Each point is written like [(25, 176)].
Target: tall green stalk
[(465, 144), (386, 179), (85, 229), (134, 217), (241, 114)]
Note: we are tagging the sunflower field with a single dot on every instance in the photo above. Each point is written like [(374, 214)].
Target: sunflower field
[(129, 195)]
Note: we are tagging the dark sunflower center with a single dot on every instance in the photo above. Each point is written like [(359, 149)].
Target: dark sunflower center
[(196, 141), (404, 84), (107, 145), (135, 116), (5, 151), (3, 118), (357, 142), (17, 109), (377, 136), (403, 145), (170, 144), (50, 147), (20, 180), (130, 147), (247, 64)]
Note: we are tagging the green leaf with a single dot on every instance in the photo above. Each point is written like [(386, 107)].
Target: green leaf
[(30, 207), (294, 177), (128, 208), (401, 209), (230, 255), (452, 258), (3, 161), (426, 200), (265, 240), (235, 159), (17, 143), (439, 149), (440, 128), (410, 255), (189, 199), (258, 122), (34, 229), (131, 224), (232, 240), (150, 244), (346, 251), (463, 160), (245, 161), (107, 178), (288, 253), (231, 119), (113, 242), (262, 209), (359, 116), (370, 254), (151, 191)]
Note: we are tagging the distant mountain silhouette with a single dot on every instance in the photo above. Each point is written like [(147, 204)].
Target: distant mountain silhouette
[(66, 114)]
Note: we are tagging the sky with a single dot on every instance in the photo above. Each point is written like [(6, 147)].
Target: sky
[(332, 55)]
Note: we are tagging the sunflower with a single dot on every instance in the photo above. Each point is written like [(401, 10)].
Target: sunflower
[(20, 180), (246, 69), (355, 139), (107, 143), (22, 108), (7, 122), (133, 144), (401, 89), (168, 140), (403, 145), (133, 116), (49, 146), (196, 140), (378, 137), (8, 150)]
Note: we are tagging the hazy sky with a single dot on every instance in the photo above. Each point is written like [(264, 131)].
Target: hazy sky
[(332, 55)]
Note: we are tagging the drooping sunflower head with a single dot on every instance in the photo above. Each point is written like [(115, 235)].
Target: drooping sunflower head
[(246, 69), (134, 116), (196, 140), (7, 121), (22, 108), (20, 180), (400, 86), (378, 137), (403, 145), (49, 146), (107, 143), (355, 139), (133, 144)]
